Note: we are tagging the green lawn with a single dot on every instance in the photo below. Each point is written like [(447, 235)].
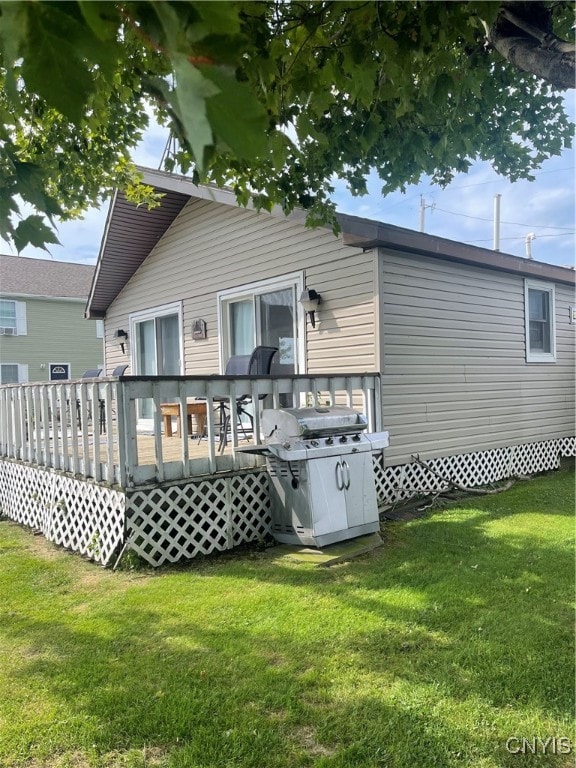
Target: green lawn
[(431, 651)]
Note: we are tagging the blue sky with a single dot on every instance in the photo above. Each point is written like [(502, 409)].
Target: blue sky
[(462, 211)]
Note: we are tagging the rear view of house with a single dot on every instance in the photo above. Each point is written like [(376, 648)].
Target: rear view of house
[(475, 349), (463, 355)]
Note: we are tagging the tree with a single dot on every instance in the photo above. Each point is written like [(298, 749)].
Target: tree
[(272, 98)]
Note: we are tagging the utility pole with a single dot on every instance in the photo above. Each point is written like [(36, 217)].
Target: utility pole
[(423, 207)]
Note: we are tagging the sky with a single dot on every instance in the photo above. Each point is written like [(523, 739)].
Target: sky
[(543, 209)]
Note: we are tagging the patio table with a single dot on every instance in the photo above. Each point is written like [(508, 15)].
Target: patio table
[(170, 410)]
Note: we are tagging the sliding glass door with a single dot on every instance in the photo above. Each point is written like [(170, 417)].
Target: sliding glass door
[(266, 314), (156, 349)]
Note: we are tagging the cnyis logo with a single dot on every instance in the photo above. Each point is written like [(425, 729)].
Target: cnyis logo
[(535, 745)]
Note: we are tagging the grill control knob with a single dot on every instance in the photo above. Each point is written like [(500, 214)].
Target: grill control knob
[(286, 445), (356, 438), (314, 443), (329, 441), (343, 439)]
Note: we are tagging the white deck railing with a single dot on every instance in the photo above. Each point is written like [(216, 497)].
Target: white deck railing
[(93, 428)]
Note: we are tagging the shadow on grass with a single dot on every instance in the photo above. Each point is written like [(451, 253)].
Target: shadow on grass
[(371, 663)]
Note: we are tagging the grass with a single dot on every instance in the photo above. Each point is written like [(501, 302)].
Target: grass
[(431, 651)]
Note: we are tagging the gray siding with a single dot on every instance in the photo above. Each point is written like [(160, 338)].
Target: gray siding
[(212, 247), (455, 378)]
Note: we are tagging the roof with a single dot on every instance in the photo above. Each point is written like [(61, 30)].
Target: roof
[(22, 276), (132, 232), (366, 234)]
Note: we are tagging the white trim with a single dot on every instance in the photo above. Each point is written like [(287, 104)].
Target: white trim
[(254, 289), (540, 357), (41, 297)]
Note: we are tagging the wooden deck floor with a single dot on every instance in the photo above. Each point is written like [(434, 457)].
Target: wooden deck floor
[(171, 448)]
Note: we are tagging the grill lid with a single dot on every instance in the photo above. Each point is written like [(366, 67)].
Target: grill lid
[(281, 425)]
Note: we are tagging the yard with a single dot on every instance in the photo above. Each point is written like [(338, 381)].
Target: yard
[(434, 650)]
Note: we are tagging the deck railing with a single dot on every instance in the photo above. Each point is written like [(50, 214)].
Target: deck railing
[(95, 428)]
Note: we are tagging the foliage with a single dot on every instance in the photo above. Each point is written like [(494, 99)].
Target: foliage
[(432, 651), (275, 99)]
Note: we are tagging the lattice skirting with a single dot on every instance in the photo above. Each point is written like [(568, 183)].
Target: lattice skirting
[(78, 515), (166, 524), (169, 523), (470, 469)]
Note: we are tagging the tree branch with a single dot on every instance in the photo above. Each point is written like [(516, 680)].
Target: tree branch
[(453, 484), (532, 48)]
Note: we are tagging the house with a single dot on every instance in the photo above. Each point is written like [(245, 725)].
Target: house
[(43, 333), (464, 355), (475, 348)]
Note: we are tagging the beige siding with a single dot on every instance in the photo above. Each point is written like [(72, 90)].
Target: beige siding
[(212, 247), (455, 378)]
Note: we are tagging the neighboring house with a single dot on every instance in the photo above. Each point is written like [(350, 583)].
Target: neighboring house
[(43, 333), (475, 348)]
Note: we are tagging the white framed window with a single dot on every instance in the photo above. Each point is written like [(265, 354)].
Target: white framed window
[(264, 313), (13, 373), (99, 329), (539, 318), (12, 318)]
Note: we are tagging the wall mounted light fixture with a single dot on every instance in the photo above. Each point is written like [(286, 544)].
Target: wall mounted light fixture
[(310, 300), (120, 337)]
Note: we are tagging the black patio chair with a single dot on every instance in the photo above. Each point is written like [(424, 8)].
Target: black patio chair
[(119, 370), (256, 364), (92, 373)]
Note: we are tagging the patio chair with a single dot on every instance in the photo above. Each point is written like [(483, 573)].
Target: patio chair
[(119, 370), (92, 373), (256, 364)]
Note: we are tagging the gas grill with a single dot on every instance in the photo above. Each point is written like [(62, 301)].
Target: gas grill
[(322, 484)]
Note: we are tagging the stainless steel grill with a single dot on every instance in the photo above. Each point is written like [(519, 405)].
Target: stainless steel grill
[(322, 478)]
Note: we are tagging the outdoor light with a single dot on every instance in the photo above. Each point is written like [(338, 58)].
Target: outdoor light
[(120, 337), (310, 300)]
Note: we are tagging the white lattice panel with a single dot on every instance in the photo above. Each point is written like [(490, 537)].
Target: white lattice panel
[(535, 457), (250, 501), (567, 446), (178, 522), (79, 515), (470, 470)]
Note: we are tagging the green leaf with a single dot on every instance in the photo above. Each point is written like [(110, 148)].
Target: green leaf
[(189, 102), (236, 116), (51, 48), (30, 183), (33, 231), (102, 17)]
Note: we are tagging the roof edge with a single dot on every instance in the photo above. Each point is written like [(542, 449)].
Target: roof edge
[(366, 233)]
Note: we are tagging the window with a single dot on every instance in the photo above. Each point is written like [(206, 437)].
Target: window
[(13, 373), (12, 318), (265, 313), (99, 329), (539, 322)]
